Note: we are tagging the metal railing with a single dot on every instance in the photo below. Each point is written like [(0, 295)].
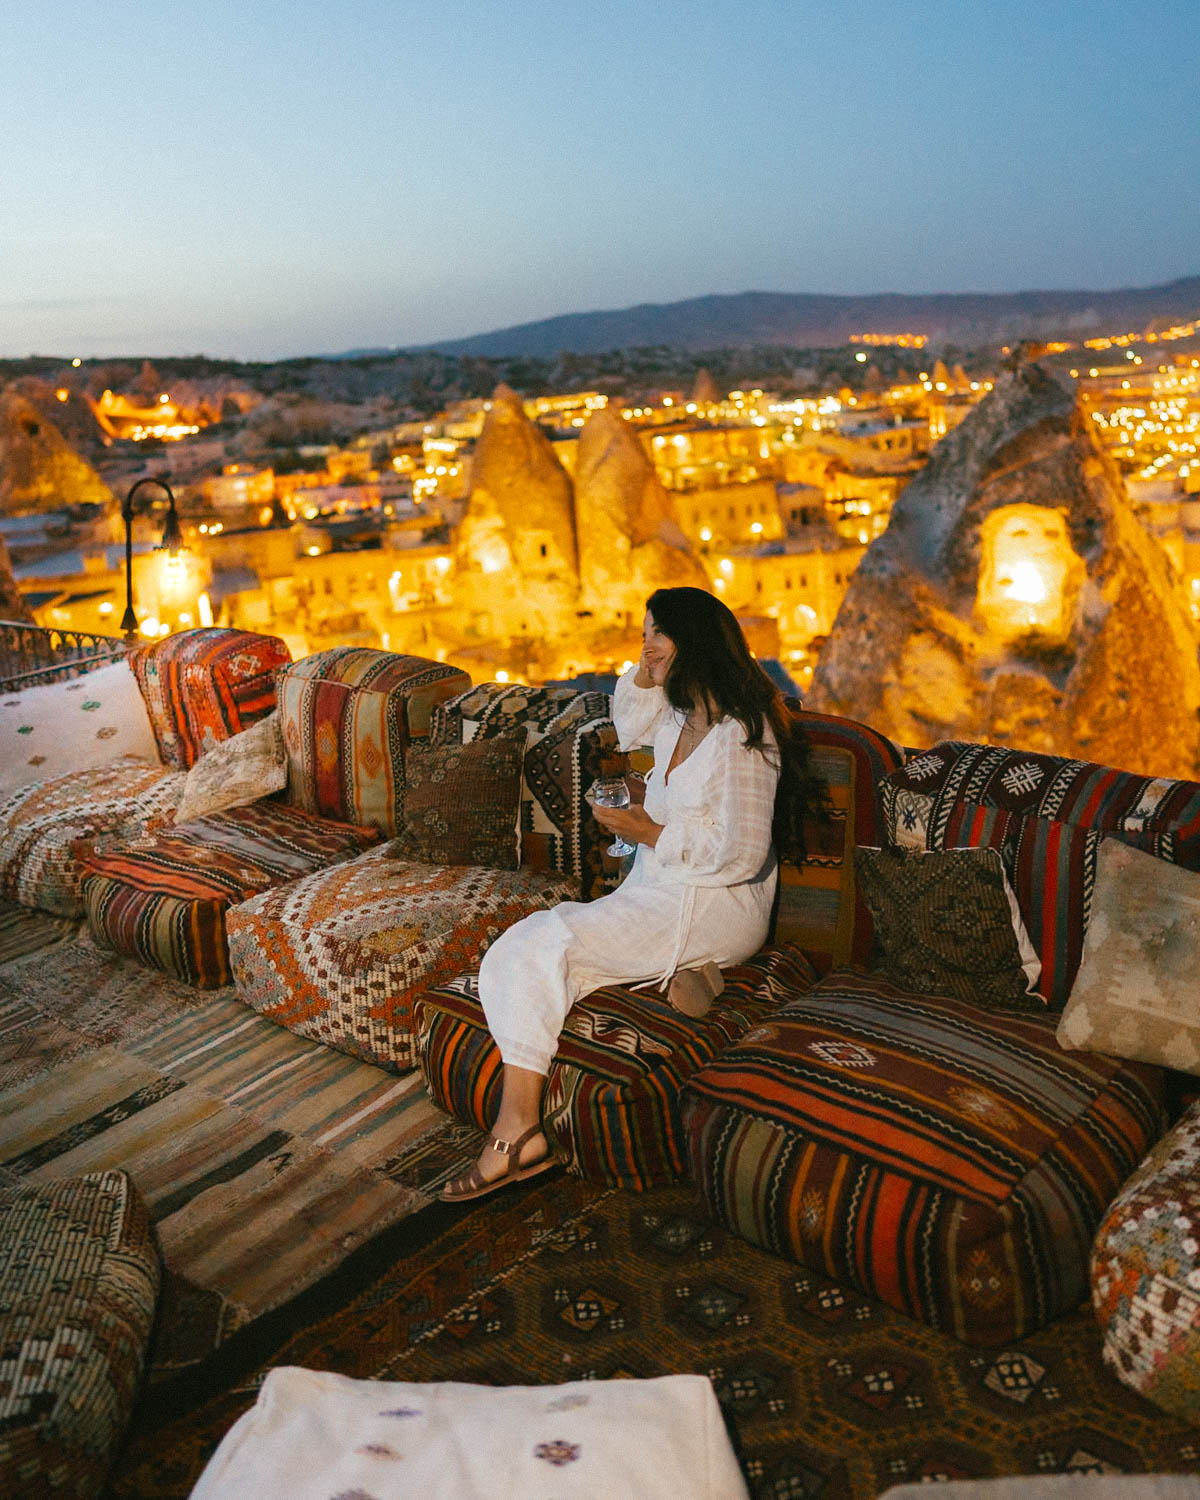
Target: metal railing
[(34, 654)]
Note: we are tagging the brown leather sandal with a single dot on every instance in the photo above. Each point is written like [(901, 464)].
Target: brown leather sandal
[(692, 991), (474, 1184)]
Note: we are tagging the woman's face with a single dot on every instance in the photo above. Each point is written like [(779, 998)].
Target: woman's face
[(658, 651)]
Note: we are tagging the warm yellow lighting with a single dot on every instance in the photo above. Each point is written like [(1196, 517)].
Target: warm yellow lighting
[(1024, 582), (441, 564), (313, 551), (265, 515), (625, 665), (667, 401), (164, 629), (62, 393), (501, 675), (149, 627), (726, 566), (861, 357), (106, 607), (756, 528), (185, 618), (706, 533), (204, 610), (720, 585), (76, 363)]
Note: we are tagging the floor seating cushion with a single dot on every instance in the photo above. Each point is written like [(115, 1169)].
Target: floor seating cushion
[(949, 1161), (163, 898), (1047, 815), (611, 1105), (1146, 1274), (347, 716), (205, 685), (195, 688), (79, 1278), (341, 956), (819, 906), (338, 955), (40, 825)]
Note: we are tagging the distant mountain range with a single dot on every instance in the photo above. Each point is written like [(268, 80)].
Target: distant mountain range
[(802, 320)]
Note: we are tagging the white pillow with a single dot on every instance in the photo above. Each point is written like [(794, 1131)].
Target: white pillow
[(73, 726), (241, 769)]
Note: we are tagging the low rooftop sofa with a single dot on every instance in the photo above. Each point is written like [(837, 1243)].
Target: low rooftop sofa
[(948, 1155)]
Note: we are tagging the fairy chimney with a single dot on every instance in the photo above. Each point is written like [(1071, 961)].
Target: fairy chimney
[(39, 470), (1015, 599), (629, 540)]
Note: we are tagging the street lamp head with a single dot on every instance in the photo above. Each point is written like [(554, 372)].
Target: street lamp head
[(172, 542)]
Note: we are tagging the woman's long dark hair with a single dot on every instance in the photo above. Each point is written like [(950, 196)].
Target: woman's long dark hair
[(713, 664)]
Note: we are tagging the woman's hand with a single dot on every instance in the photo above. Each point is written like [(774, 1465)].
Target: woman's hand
[(633, 824), (642, 677), (636, 787)]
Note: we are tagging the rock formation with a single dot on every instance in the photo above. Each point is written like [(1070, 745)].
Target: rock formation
[(12, 603), (629, 540), (1015, 599), (39, 470), (517, 555)]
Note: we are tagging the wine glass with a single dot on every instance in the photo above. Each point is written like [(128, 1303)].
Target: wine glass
[(611, 791)]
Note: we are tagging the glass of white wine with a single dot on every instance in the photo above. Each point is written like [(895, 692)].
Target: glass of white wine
[(611, 791)]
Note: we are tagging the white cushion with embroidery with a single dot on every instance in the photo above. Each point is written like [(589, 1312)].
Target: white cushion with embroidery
[(241, 769), (60, 727)]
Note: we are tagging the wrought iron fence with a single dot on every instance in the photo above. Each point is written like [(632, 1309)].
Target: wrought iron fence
[(34, 654)]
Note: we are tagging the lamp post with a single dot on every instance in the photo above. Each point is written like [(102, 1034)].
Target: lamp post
[(172, 542)]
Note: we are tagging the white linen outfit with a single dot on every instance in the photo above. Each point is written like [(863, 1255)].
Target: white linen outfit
[(702, 893)]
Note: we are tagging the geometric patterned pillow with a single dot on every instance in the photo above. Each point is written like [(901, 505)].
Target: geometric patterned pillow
[(461, 803), (944, 921)]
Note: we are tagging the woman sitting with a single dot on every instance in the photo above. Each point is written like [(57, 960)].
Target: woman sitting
[(730, 772)]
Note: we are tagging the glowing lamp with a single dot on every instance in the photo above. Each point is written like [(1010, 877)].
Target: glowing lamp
[(1029, 575), (172, 543)]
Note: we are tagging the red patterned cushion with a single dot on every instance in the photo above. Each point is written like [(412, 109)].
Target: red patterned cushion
[(338, 955), (205, 685), (1046, 815), (820, 908), (951, 1162), (347, 716), (162, 899), (570, 741), (612, 1097)]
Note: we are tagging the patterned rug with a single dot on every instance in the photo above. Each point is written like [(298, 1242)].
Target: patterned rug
[(267, 1161), (829, 1395), (23, 930)]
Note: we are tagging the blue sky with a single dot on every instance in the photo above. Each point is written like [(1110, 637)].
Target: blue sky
[(261, 179)]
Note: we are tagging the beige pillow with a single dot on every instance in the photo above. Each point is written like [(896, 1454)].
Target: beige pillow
[(1136, 995), (241, 769)]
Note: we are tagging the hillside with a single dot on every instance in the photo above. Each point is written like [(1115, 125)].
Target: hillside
[(801, 320)]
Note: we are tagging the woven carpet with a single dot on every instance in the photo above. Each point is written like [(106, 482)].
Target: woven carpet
[(829, 1395), (23, 930), (267, 1161)]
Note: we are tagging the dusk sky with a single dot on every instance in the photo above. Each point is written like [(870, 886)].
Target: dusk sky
[(256, 180)]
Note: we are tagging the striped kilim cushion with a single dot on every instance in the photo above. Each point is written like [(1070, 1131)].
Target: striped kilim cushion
[(611, 1103), (338, 955), (952, 1162), (347, 716), (205, 685), (79, 1278), (820, 909), (162, 899), (1046, 815), (1146, 1274), (570, 740), (40, 825)]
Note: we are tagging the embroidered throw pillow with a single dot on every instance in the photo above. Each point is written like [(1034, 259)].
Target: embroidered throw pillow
[(947, 923), (461, 803), (241, 769), (1135, 994), (58, 727)]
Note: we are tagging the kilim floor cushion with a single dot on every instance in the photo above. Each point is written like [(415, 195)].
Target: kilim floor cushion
[(1046, 815), (40, 824), (950, 1161), (611, 1104), (205, 685), (1146, 1274), (162, 899), (79, 1277), (339, 955)]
